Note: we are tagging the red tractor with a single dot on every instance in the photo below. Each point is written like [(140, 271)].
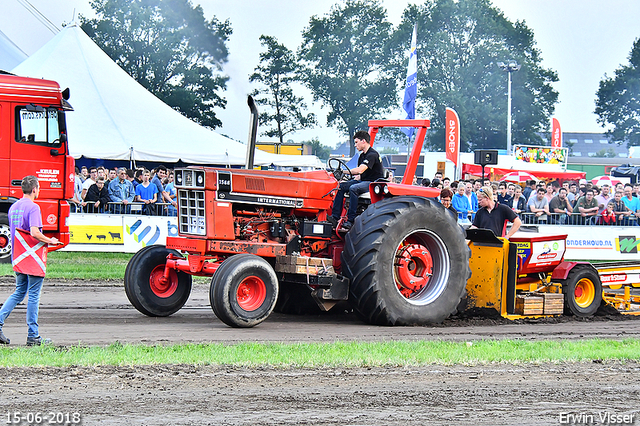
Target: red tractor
[(262, 236)]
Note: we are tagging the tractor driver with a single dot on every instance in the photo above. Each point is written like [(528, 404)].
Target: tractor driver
[(369, 169), (492, 215)]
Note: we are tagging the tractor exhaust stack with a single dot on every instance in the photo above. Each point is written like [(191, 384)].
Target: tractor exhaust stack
[(253, 133)]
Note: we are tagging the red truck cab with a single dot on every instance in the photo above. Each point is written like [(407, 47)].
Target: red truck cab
[(33, 141)]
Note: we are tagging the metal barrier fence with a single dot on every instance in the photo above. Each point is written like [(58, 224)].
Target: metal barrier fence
[(157, 209), (577, 219), (528, 218)]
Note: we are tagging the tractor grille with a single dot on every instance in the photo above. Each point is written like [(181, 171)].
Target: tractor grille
[(254, 184), (191, 212)]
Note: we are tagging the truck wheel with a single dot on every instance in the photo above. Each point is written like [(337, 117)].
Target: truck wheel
[(582, 291), (144, 285), (244, 290), (408, 262), (5, 239)]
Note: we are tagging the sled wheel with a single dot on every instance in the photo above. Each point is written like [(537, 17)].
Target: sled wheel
[(146, 288), (582, 291), (5, 239), (244, 290), (407, 261)]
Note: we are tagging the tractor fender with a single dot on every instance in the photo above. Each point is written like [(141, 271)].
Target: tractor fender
[(380, 190), (561, 272)]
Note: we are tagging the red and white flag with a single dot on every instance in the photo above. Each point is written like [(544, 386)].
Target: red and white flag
[(452, 138), (556, 134), (29, 254)]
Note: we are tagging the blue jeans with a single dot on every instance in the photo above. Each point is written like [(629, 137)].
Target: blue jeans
[(355, 188), (25, 283)]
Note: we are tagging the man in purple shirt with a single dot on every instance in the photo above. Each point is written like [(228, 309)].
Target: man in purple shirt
[(25, 214)]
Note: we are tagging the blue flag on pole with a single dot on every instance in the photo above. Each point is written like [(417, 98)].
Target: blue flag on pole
[(411, 87)]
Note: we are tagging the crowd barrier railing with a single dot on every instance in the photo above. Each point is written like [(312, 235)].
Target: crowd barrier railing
[(135, 208)]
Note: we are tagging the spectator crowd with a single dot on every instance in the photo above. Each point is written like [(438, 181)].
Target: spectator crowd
[(152, 192), (537, 202), (124, 191)]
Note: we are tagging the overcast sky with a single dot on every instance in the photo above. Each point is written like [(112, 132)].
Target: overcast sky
[(580, 39)]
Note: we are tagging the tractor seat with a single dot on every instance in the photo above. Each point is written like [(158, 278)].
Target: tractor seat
[(386, 178)]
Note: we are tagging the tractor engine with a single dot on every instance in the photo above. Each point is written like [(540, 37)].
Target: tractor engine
[(306, 236)]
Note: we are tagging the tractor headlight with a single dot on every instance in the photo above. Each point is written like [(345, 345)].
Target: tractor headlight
[(386, 189), (376, 190)]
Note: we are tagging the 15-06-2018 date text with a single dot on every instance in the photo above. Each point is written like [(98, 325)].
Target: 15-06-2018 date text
[(35, 418)]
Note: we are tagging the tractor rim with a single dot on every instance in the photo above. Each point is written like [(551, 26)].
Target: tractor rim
[(421, 267), (584, 293), (251, 294), (161, 287), (5, 235)]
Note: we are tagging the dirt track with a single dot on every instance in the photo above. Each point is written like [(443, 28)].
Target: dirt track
[(99, 314), (95, 313)]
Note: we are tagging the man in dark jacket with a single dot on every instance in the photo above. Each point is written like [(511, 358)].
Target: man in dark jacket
[(97, 198)]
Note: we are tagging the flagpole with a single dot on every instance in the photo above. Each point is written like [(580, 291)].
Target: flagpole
[(409, 152), (411, 88)]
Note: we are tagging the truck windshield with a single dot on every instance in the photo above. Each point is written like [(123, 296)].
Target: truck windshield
[(39, 127)]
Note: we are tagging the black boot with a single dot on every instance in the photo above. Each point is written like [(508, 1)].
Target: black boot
[(4, 339)]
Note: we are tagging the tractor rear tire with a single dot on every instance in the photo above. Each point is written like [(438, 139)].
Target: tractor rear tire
[(5, 239), (244, 290), (145, 289), (582, 291), (408, 262)]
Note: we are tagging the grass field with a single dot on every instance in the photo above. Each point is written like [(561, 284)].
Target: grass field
[(338, 354), (80, 265), (111, 266)]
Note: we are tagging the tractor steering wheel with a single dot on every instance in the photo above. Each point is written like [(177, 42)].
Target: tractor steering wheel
[(337, 172)]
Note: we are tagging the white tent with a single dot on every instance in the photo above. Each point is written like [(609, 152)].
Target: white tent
[(10, 54), (116, 118)]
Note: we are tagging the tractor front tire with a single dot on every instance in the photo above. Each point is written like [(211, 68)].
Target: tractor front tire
[(408, 262), (5, 239), (145, 288), (244, 290), (582, 291)]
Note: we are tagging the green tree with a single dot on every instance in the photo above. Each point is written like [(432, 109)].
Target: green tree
[(388, 150), (618, 100), (168, 47), (606, 153), (460, 43), (345, 57), (323, 152), (277, 70)]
